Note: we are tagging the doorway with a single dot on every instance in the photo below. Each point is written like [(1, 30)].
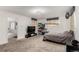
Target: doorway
[(12, 30)]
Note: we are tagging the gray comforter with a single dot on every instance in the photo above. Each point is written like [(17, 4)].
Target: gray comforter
[(61, 38)]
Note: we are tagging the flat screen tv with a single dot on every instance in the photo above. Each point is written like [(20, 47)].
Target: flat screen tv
[(31, 29)]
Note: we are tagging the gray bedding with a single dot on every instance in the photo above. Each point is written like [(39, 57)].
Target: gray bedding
[(60, 38)]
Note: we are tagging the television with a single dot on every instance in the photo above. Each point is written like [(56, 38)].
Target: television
[(31, 29)]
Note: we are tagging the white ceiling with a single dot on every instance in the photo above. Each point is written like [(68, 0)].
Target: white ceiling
[(38, 12)]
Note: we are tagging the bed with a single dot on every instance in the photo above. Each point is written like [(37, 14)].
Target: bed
[(60, 37)]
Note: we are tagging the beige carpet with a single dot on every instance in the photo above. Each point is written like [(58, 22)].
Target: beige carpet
[(32, 44)]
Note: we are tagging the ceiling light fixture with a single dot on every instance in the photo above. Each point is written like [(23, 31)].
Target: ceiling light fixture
[(38, 11)]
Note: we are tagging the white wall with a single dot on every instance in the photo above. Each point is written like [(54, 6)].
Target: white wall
[(3, 29), (76, 17), (64, 25), (41, 21), (22, 26), (22, 21)]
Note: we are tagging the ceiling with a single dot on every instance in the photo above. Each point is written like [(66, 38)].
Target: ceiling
[(39, 12)]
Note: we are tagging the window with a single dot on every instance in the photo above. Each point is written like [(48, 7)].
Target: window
[(34, 22), (52, 22)]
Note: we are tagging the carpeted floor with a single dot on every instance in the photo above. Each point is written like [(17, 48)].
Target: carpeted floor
[(32, 44)]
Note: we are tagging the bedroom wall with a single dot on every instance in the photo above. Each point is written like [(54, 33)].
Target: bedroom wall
[(41, 21), (22, 21), (3, 30), (72, 26), (76, 17), (22, 26), (64, 25)]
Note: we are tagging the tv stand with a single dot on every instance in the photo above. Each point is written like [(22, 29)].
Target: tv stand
[(30, 31), (30, 35)]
